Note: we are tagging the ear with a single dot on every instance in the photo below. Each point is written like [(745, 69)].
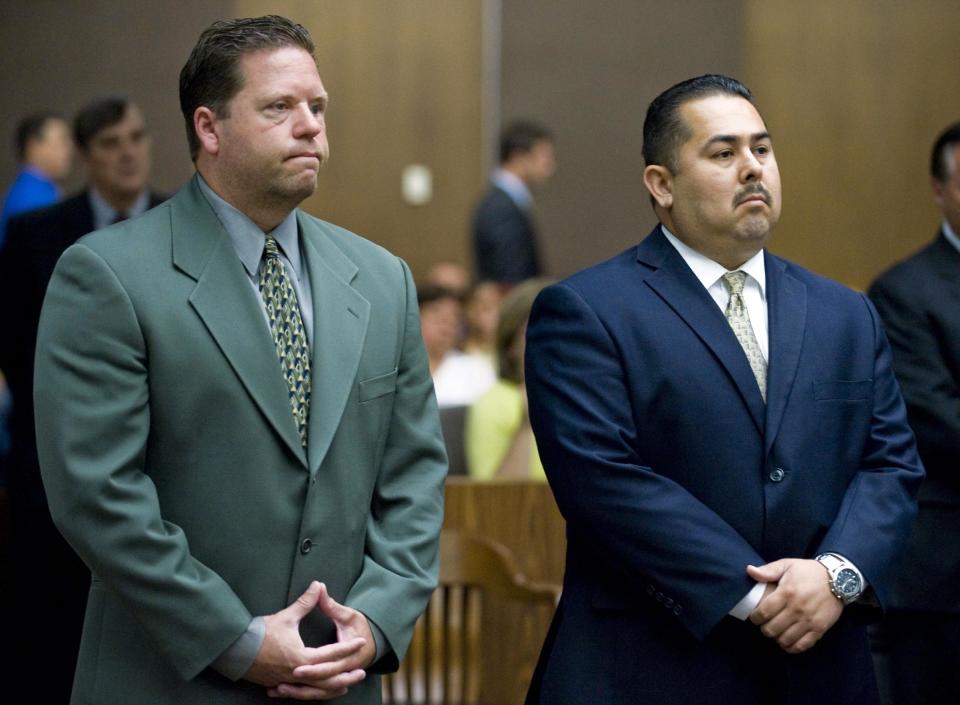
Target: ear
[(205, 126), (937, 192), (659, 182)]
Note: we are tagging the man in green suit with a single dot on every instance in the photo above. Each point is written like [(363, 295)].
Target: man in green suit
[(235, 420)]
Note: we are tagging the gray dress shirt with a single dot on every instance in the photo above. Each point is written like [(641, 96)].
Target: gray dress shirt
[(248, 241)]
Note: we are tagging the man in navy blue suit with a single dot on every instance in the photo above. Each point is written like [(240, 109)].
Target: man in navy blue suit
[(505, 247), (724, 435)]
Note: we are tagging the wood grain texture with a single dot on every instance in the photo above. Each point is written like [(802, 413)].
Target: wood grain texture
[(445, 662), (523, 516), (854, 94), (405, 85)]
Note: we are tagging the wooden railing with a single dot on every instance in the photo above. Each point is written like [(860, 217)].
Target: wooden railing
[(523, 517)]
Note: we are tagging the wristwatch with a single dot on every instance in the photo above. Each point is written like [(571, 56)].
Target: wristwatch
[(846, 582)]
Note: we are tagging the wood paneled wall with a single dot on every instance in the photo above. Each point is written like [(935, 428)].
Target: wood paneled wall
[(589, 70), (61, 54), (405, 85), (854, 93)]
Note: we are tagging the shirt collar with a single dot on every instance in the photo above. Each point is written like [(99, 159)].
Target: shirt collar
[(514, 187), (104, 214), (709, 272), (950, 235), (247, 237)]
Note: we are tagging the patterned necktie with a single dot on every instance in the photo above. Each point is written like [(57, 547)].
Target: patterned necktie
[(739, 320), (288, 333)]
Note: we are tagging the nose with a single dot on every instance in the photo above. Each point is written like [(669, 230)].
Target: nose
[(309, 124), (752, 169)]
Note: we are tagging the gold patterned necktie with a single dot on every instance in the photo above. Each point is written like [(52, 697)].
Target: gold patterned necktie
[(289, 336), (739, 320)]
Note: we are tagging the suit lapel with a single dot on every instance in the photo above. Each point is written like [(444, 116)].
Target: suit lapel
[(340, 318), (787, 316), (676, 284), (228, 306)]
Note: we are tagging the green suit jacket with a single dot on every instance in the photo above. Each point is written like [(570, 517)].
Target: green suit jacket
[(172, 463)]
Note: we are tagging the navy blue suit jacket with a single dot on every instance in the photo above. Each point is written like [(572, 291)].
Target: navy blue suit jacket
[(504, 240), (919, 302), (673, 476)]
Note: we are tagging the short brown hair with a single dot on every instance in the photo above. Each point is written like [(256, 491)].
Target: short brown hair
[(211, 76)]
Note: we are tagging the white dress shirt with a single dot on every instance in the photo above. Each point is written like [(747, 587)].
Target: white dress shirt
[(710, 274)]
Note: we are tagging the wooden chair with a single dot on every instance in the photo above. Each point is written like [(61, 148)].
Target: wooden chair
[(458, 649)]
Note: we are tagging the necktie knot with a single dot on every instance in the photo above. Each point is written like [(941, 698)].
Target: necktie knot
[(271, 248), (734, 282)]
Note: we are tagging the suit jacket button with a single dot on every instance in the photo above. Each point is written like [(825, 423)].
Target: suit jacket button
[(668, 602), (677, 610), (305, 546), (651, 590), (777, 474)]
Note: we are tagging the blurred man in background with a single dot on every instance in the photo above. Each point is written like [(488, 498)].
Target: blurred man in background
[(919, 301), (504, 236), (114, 148)]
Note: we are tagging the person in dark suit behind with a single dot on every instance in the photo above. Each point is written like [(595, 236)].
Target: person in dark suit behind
[(505, 244), (114, 147), (725, 438), (919, 301), (233, 404)]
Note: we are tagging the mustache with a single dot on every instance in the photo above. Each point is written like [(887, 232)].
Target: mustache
[(745, 193)]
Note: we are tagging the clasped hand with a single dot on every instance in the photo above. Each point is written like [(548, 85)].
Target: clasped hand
[(797, 607), (290, 669)]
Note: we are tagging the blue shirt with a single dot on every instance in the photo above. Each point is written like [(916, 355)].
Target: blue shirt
[(30, 190)]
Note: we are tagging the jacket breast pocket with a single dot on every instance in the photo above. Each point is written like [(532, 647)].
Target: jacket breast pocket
[(378, 386), (843, 390)]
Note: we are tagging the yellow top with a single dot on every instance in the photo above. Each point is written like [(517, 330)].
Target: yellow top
[(492, 422)]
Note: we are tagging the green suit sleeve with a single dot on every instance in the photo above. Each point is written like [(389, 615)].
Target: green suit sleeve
[(92, 395), (401, 563)]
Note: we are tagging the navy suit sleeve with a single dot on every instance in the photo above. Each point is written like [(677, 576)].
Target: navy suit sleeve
[(925, 368), (645, 526), (879, 505)]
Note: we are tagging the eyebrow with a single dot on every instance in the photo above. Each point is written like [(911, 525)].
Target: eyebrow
[(755, 137)]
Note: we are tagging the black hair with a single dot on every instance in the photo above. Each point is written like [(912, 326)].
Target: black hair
[(664, 131), (521, 136), (31, 128), (429, 293), (96, 116), (940, 166)]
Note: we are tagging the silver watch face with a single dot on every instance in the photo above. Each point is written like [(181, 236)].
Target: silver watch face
[(848, 583)]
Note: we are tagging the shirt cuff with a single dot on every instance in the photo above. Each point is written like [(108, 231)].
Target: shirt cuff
[(240, 655), (748, 603), (379, 640)]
